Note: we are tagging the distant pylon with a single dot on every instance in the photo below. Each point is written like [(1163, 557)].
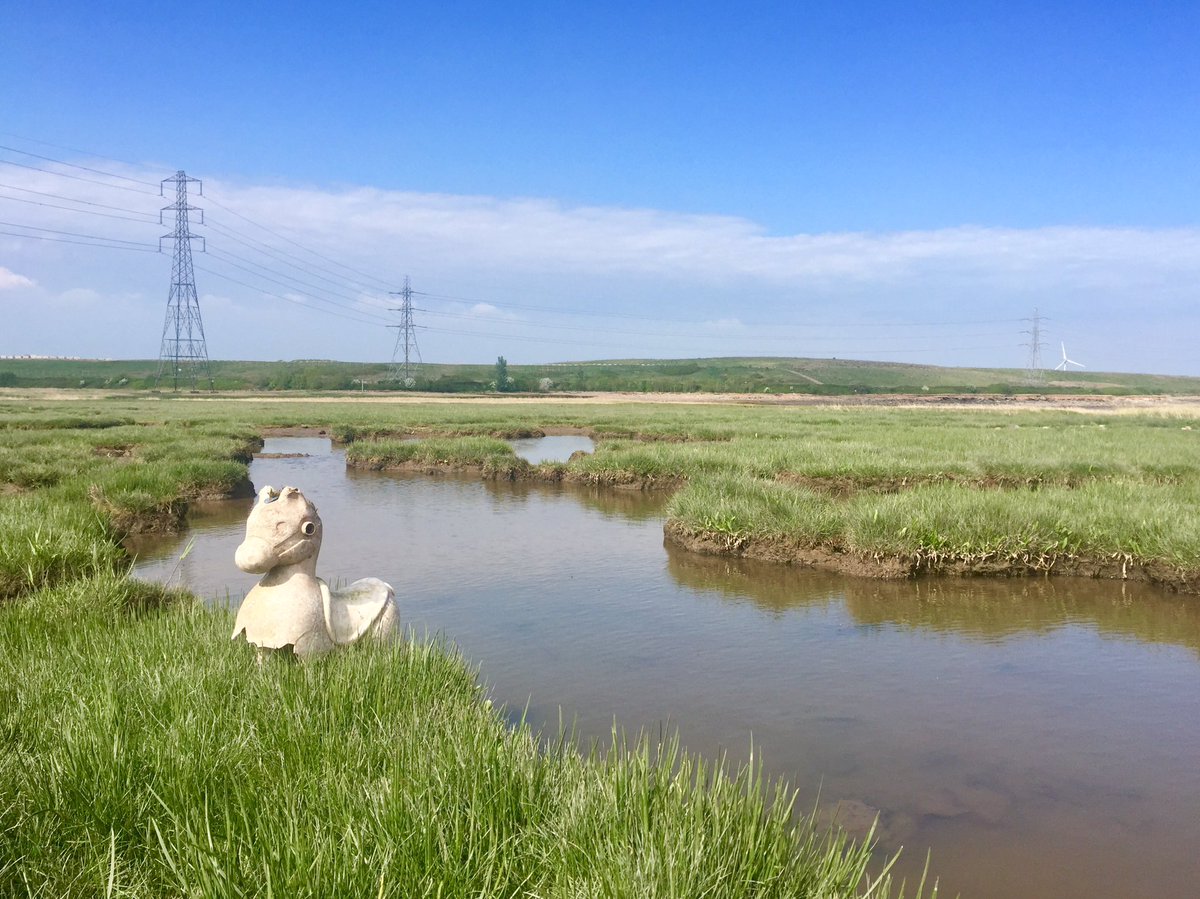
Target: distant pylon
[(405, 370), (1034, 375), (183, 349)]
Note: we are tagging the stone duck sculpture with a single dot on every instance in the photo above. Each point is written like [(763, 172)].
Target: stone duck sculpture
[(291, 608)]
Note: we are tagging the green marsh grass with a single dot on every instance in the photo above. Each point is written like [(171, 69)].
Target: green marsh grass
[(44, 540), (490, 454), (937, 523), (148, 755)]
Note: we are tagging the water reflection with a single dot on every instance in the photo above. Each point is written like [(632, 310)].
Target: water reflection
[(631, 505), (552, 448), (1041, 736), (976, 608)]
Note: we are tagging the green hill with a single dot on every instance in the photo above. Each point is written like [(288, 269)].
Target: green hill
[(830, 377)]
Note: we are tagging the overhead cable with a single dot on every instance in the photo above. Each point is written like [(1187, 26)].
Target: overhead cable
[(73, 234), (76, 177), (146, 248), (280, 296), (387, 284), (82, 168)]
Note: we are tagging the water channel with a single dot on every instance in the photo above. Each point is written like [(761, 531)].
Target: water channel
[(1041, 737)]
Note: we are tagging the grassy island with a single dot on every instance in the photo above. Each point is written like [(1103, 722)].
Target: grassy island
[(877, 492), (146, 755)]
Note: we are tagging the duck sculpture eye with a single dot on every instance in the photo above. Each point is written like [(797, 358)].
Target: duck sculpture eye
[(309, 528)]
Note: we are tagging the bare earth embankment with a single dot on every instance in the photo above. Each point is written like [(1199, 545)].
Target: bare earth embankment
[(1165, 405)]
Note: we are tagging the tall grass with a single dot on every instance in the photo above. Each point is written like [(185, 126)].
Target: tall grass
[(491, 455), (951, 522), (43, 541), (147, 755)]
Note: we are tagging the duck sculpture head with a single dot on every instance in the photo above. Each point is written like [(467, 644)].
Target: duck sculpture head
[(283, 530)]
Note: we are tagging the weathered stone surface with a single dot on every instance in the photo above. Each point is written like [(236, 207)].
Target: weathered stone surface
[(291, 608)]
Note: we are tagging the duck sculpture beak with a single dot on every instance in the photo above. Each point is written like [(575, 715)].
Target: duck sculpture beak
[(254, 556)]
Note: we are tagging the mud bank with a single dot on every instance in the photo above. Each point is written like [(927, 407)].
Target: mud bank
[(166, 518), (831, 557), (520, 470)]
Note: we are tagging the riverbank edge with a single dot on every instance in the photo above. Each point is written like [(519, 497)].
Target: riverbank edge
[(520, 470), (831, 556)]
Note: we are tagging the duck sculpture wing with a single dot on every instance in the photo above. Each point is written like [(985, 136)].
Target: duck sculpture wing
[(367, 606)]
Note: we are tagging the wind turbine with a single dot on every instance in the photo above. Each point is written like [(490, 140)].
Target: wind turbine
[(1062, 366)]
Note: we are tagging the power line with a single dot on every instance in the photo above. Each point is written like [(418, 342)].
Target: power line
[(280, 296), (46, 143), (558, 341), (82, 168), (75, 177), (294, 243), (218, 254), (42, 193), (148, 248), (108, 215), (74, 234), (266, 249)]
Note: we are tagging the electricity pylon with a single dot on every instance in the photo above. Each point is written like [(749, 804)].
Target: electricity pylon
[(183, 349), (1034, 374), (406, 337)]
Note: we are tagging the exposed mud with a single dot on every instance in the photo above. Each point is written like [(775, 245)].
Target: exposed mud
[(295, 432), (166, 518), (845, 486), (519, 470), (832, 557)]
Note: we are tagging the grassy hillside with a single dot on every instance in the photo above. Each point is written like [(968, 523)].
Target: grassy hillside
[(738, 375)]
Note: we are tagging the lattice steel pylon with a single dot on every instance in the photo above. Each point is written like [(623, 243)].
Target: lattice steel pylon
[(183, 349), (406, 338), (1034, 374)]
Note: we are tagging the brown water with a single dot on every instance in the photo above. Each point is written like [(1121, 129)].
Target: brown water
[(1041, 737)]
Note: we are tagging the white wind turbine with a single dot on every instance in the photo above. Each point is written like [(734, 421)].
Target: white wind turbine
[(1062, 366)]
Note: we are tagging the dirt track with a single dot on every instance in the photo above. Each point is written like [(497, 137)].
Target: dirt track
[(1161, 405)]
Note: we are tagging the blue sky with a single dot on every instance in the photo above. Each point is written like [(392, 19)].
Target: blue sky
[(603, 180)]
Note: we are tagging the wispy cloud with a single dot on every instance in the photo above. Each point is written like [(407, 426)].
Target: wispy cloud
[(724, 326), (10, 280), (543, 235), (566, 280)]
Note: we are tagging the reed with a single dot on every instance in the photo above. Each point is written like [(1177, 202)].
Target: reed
[(147, 755)]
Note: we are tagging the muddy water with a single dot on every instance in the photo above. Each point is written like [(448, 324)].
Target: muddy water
[(1041, 737)]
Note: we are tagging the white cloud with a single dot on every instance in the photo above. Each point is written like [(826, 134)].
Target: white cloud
[(675, 284), (724, 326), (10, 280), (546, 236), (80, 296)]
